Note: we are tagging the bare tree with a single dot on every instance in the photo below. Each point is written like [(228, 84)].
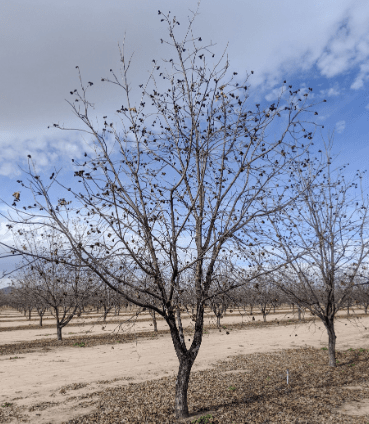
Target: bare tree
[(265, 297), (330, 227), (219, 304), (361, 292), (48, 282), (169, 190)]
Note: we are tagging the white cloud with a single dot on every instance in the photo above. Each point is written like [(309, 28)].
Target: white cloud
[(278, 40), (46, 152), (362, 76), (348, 46), (330, 92), (340, 126), (274, 94)]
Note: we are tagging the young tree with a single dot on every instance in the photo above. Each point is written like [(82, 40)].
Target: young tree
[(168, 191), (330, 227)]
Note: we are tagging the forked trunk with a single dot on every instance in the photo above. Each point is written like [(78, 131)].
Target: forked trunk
[(183, 378), (186, 359), (59, 332)]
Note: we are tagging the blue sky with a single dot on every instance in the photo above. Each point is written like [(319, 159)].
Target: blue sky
[(323, 45)]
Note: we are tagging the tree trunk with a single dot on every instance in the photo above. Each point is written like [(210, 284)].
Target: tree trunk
[(366, 309), (218, 321), (264, 316), (186, 359), (331, 343), (59, 332), (348, 309), (183, 378), (299, 313), (154, 321), (41, 320), (29, 314), (107, 309)]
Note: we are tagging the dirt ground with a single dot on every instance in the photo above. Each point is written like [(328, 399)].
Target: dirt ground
[(85, 382)]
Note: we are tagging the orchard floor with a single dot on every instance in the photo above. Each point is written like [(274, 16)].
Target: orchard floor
[(239, 375)]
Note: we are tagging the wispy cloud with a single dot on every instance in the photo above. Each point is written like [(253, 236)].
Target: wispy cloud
[(330, 92), (340, 126), (46, 152), (361, 77)]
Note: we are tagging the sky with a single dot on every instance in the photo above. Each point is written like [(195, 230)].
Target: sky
[(323, 45)]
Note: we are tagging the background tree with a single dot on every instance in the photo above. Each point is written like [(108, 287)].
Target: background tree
[(330, 227), (265, 296), (48, 282), (177, 185), (361, 291)]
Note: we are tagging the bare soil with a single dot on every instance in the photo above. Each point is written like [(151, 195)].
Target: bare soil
[(240, 375)]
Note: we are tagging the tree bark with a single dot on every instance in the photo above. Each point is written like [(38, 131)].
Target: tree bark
[(331, 343), (183, 378), (59, 332), (154, 321), (186, 359), (41, 320), (218, 321)]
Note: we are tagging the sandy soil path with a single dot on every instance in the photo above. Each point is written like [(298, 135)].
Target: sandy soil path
[(139, 324)]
